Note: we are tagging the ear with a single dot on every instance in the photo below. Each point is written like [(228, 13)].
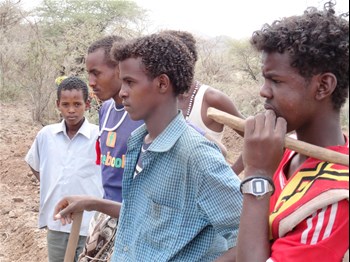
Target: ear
[(57, 103), (87, 104), (163, 83), (327, 84)]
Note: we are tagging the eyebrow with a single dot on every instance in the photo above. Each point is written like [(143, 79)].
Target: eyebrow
[(271, 74), (92, 70)]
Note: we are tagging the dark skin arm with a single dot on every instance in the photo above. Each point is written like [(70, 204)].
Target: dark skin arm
[(67, 206), (238, 165), (219, 100), (36, 173), (218, 143), (262, 152), (228, 256)]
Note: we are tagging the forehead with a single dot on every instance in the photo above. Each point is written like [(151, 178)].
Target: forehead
[(277, 64), (131, 66), (96, 57), (276, 60), (76, 94)]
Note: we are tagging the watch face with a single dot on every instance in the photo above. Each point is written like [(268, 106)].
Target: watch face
[(258, 187)]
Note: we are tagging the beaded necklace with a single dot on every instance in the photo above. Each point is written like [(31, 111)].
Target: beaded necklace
[(197, 86)]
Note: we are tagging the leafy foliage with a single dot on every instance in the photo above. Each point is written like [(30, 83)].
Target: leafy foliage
[(52, 40), (247, 60), (38, 46), (105, 16)]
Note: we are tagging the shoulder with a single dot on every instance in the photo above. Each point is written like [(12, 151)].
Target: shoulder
[(94, 128), (47, 132), (48, 129), (214, 95), (221, 101), (107, 102), (89, 130), (105, 105), (197, 145), (218, 99)]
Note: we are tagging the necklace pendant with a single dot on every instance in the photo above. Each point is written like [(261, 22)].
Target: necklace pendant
[(111, 139)]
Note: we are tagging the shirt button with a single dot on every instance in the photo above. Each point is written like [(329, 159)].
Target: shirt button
[(126, 249)]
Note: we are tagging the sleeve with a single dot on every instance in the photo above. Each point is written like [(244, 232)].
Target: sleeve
[(323, 236), (33, 156), (219, 198)]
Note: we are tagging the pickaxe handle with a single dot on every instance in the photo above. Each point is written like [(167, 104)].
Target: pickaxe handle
[(73, 237), (301, 147)]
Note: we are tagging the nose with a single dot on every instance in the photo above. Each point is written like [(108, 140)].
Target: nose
[(71, 109), (92, 80), (265, 91), (123, 91)]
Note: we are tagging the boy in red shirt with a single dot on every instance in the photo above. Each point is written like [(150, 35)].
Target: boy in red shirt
[(306, 70)]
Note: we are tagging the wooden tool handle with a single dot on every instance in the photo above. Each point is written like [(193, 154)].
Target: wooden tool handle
[(73, 237), (301, 147)]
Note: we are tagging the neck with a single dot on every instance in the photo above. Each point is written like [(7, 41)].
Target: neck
[(159, 120), (118, 100), (324, 131), (73, 129)]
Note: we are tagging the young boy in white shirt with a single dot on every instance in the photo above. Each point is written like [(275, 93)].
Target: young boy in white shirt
[(62, 157)]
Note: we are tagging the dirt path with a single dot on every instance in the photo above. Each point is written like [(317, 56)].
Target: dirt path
[(20, 239)]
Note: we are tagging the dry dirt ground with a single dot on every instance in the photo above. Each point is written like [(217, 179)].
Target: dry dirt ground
[(19, 191), (20, 239)]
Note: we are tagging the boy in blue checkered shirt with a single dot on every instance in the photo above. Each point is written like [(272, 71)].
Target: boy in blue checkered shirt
[(181, 200)]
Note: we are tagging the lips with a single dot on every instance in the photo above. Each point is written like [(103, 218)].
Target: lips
[(71, 118), (269, 107)]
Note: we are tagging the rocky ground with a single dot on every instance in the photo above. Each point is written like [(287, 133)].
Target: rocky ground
[(19, 191)]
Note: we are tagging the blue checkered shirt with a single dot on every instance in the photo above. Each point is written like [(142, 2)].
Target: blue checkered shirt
[(184, 205)]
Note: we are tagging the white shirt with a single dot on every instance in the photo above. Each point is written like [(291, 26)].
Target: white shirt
[(67, 167), (195, 116)]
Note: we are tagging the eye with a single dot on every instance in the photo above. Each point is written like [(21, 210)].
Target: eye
[(128, 82), (276, 81), (94, 73)]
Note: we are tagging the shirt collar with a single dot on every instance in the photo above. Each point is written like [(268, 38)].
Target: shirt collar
[(164, 141), (84, 129)]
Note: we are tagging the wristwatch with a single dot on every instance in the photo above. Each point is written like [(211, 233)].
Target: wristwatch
[(257, 186)]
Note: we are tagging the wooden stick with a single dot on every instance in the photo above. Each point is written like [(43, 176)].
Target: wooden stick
[(301, 147), (73, 237)]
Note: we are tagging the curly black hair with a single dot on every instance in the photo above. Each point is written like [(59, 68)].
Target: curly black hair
[(317, 42), (187, 38), (106, 43), (160, 54), (71, 83)]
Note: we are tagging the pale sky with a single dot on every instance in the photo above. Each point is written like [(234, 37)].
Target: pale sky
[(234, 18)]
